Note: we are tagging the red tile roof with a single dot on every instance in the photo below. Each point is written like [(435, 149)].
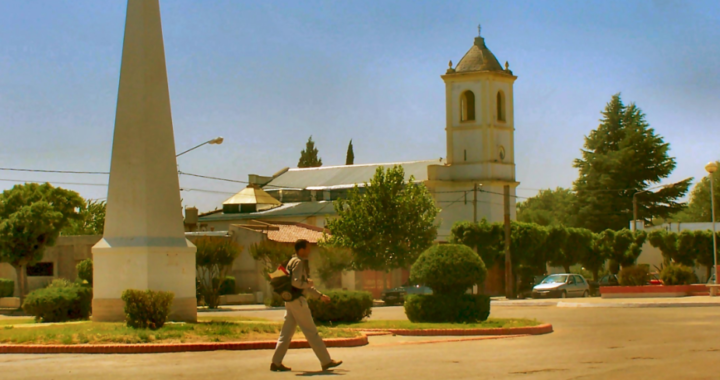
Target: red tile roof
[(288, 232)]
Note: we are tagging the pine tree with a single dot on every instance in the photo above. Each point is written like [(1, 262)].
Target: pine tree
[(350, 157), (622, 157), (309, 156)]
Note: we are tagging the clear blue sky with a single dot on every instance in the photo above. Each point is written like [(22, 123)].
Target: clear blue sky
[(266, 75)]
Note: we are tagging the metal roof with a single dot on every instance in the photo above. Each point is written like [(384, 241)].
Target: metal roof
[(286, 210), (330, 177), (252, 195)]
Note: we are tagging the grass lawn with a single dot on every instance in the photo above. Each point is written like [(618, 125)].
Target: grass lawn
[(16, 321), (113, 333), (490, 323)]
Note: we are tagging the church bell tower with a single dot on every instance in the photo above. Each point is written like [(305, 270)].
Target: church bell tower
[(479, 137)]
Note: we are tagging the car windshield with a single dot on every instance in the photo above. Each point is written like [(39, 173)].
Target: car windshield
[(555, 279)]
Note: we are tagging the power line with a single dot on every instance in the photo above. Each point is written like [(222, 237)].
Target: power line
[(51, 171), (59, 183)]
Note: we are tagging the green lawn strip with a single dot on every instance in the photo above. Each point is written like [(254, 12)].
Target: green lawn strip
[(407, 325), (118, 333)]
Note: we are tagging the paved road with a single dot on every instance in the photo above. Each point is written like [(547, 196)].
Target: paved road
[(588, 343)]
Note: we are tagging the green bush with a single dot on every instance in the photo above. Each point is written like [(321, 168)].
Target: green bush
[(274, 301), (448, 269), (636, 275), (85, 271), (7, 287), (227, 286), (60, 301), (346, 306), (458, 308), (147, 309), (675, 274)]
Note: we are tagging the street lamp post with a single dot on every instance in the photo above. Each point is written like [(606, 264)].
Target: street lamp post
[(217, 140), (711, 168)]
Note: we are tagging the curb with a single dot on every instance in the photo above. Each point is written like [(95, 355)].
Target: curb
[(530, 330), (163, 348)]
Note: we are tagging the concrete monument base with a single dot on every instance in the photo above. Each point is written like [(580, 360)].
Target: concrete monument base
[(170, 268)]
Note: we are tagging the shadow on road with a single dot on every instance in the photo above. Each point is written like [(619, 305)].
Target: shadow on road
[(323, 373)]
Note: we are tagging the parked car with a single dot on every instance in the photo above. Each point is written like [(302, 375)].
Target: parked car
[(562, 286), (396, 296), (525, 288), (607, 280)]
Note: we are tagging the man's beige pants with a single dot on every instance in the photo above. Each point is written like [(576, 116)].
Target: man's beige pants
[(297, 313)]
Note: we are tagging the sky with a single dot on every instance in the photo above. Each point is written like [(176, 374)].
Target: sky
[(266, 75)]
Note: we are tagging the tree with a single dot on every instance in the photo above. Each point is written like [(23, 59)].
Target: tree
[(704, 249), (333, 261), (350, 157), (271, 254), (386, 227), (91, 220), (309, 157), (485, 238), (698, 209), (576, 245), (549, 207), (624, 247), (600, 249), (213, 260), (31, 218), (620, 158)]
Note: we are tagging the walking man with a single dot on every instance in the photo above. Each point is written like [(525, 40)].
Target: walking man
[(297, 312)]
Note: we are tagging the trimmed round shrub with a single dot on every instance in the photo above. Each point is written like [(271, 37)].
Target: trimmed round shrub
[(227, 286), (675, 274), (85, 271), (7, 287), (346, 306), (634, 276), (59, 302), (448, 269), (458, 308), (147, 308)]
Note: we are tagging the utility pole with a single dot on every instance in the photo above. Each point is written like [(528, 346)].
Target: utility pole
[(475, 191), (508, 261)]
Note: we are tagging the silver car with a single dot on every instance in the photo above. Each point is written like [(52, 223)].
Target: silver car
[(562, 286)]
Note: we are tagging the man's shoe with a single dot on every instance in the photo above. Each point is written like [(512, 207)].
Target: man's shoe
[(278, 368), (332, 364)]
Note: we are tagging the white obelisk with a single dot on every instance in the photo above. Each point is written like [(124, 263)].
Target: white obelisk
[(144, 245)]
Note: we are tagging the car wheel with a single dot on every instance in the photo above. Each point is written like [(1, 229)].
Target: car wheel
[(563, 294), (586, 294)]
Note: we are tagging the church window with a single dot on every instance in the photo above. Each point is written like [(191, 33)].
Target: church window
[(467, 106), (500, 106)]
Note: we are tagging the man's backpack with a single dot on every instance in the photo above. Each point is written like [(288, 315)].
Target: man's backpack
[(281, 282)]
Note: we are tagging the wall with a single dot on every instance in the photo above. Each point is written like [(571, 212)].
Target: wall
[(65, 255)]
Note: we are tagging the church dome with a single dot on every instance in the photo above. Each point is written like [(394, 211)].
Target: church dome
[(478, 58)]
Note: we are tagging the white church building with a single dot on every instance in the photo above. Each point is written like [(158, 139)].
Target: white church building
[(480, 151)]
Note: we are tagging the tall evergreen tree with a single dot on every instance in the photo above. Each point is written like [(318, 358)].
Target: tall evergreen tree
[(350, 157), (698, 209), (309, 157), (622, 157)]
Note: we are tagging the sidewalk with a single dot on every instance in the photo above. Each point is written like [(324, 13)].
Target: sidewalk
[(696, 301)]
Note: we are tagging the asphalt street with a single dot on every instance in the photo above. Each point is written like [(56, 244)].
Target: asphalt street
[(588, 343)]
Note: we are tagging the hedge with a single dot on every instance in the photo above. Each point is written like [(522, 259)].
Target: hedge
[(675, 274), (147, 309), (463, 308), (60, 301), (635, 275), (346, 306), (448, 269), (7, 287)]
